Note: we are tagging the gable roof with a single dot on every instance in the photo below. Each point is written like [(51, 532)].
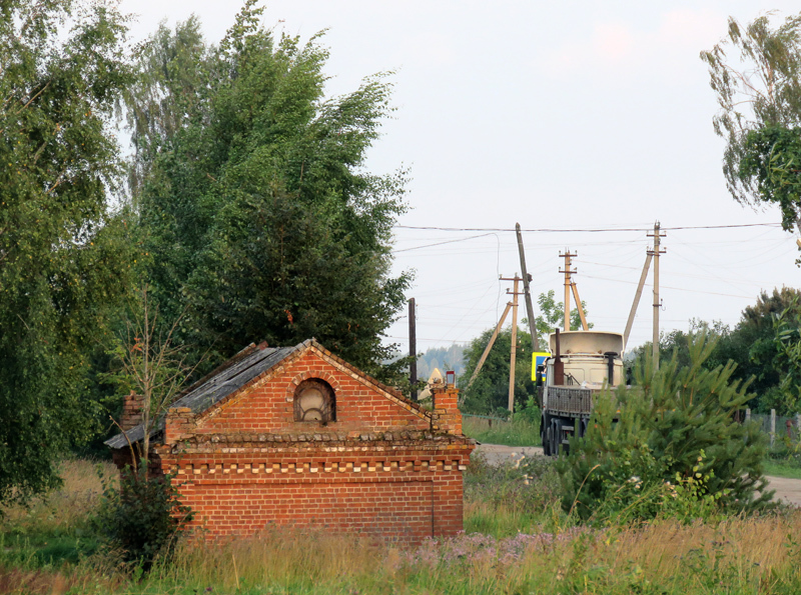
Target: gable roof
[(237, 372)]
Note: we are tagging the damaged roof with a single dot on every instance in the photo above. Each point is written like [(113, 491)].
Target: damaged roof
[(225, 380)]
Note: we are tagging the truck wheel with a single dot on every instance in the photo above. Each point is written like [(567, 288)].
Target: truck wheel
[(546, 440), (545, 434), (556, 433)]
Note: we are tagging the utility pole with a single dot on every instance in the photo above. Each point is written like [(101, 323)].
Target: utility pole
[(513, 351), (568, 285), (637, 296), (657, 235), (532, 323), (513, 355), (412, 351), (579, 307)]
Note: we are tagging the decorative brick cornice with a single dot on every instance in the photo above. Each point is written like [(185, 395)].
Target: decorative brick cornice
[(322, 466)]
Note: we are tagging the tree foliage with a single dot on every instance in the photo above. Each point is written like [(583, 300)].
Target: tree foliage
[(751, 344), (552, 315), (60, 74), (255, 209), (147, 362), (676, 430), (755, 73)]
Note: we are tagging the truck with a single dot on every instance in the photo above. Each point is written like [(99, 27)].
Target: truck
[(581, 364)]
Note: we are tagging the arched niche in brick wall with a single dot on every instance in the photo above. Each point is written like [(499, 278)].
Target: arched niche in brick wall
[(315, 402)]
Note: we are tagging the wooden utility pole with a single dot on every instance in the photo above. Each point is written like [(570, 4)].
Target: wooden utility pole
[(567, 256), (532, 323), (412, 350), (513, 354), (580, 308), (637, 296), (657, 235)]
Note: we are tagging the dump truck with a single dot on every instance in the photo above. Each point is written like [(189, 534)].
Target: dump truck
[(581, 365)]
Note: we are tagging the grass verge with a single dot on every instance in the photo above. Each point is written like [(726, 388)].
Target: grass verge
[(509, 433), (782, 469)]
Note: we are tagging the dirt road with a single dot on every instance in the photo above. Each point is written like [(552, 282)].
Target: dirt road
[(787, 490)]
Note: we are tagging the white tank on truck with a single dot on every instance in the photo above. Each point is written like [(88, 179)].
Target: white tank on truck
[(581, 365)]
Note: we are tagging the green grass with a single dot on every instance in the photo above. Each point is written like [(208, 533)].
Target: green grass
[(778, 468), (511, 433)]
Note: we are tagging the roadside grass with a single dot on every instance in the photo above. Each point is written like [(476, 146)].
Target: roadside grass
[(504, 500), (519, 432), (782, 469), (517, 540)]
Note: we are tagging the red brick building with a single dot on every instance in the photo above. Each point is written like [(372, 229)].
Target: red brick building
[(296, 436)]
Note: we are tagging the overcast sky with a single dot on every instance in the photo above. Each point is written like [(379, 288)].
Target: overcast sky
[(564, 116)]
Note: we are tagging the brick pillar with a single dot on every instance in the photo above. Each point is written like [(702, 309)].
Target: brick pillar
[(131, 411), (178, 424), (445, 400)]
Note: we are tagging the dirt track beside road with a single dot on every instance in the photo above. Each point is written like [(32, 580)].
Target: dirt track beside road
[(787, 490)]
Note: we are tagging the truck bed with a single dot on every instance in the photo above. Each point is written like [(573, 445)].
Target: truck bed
[(571, 400)]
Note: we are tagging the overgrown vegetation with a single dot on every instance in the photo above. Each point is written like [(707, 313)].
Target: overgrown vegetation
[(518, 540), (142, 519), (671, 444)]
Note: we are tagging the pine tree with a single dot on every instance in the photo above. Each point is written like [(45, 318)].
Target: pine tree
[(677, 426)]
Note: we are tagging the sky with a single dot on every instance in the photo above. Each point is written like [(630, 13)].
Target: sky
[(584, 122)]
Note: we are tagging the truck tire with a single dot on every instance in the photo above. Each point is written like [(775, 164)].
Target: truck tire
[(545, 433), (556, 434)]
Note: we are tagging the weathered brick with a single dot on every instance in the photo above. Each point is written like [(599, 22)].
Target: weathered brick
[(384, 467)]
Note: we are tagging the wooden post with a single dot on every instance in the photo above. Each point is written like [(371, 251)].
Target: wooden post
[(772, 426), (567, 256), (513, 354), (532, 322), (579, 307), (747, 415), (657, 304), (412, 350), (637, 296)]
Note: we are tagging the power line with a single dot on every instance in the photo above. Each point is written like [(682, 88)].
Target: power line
[(443, 242), (587, 230)]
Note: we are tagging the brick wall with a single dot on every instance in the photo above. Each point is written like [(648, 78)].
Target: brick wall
[(384, 468), (131, 411), (403, 497)]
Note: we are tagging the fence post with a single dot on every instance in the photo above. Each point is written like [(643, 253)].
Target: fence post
[(747, 415), (772, 426), (798, 426)]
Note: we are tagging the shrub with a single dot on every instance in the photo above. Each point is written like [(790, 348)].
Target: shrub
[(669, 446), (142, 518)]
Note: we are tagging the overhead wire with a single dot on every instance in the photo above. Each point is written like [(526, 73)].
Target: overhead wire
[(589, 229)]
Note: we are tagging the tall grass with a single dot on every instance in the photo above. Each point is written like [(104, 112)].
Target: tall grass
[(65, 509), (517, 541), (756, 555)]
